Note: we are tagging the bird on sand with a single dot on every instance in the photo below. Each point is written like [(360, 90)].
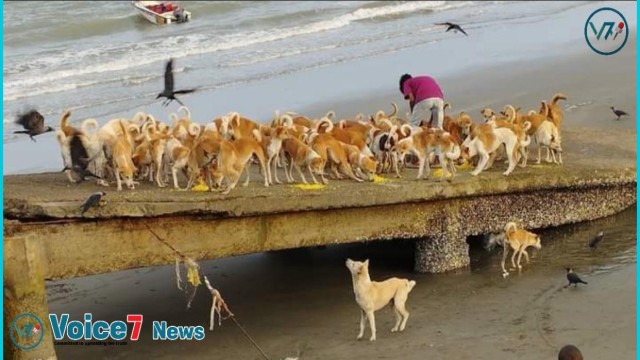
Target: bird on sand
[(452, 26), (569, 352), (92, 200), (573, 278), (593, 243), (618, 113), (168, 91), (33, 123)]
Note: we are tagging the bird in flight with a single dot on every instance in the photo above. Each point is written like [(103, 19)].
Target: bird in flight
[(33, 124), (168, 91), (618, 113), (92, 200), (454, 27), (593, 243), (573, 278)]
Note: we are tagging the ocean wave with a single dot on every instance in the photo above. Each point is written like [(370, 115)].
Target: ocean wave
[(159, 50)]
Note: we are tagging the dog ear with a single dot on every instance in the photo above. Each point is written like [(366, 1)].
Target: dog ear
[(366, 263)]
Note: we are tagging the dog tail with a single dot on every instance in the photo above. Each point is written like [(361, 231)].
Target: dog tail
[(194, 129), (257, 135), (406, 130), (359, 117), (330, 115), (287, 121), (510, 227), (89, 123), (395, 110), (557, 97), (324, 121), (186, 111)]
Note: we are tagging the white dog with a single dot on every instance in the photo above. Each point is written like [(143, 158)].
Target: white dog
[(373, 296)]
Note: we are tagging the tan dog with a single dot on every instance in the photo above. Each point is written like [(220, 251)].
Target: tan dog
[(548, 136), (349, 136), (300, 154), (241, 127), (330, 150), (555, 113), (121, 150), (485, 140), (234, 158), (363, 166), (518, 240), (372, 296)]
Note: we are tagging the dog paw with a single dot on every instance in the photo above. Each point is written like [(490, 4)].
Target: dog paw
[(505, 274), (395, 329), (359, 337), (372, 339)]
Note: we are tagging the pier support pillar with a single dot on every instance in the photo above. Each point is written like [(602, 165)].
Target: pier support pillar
[(448, 250), (25, 267)]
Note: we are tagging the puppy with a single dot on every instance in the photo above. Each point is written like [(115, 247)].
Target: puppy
[(518, 240), (372, 296)]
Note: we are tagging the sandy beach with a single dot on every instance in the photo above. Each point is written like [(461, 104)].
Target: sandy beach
[(301, 301)]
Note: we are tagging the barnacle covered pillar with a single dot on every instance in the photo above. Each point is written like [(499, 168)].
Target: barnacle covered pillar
[(26, 314), (448, 250)]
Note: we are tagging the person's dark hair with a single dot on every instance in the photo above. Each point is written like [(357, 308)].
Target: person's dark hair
[(569, 352), (404, 78)]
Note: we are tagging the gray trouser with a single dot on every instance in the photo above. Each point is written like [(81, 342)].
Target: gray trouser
[(423, 110)]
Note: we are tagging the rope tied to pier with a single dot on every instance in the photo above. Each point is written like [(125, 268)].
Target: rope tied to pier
[(193, 277)]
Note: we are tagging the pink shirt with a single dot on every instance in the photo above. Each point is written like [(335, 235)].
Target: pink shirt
[(422, 87)]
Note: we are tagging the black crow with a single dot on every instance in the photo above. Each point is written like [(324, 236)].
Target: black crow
[(619, 113), (593, 243), (454, 27), (573, 278), (33, 123), (83, 172), (92, 200), (168, 91)]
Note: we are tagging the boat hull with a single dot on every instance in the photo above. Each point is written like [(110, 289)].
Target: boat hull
[(156, 18)]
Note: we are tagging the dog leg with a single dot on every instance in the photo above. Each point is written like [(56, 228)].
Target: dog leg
[(512, 163), (315, 181), (301, 174), (118, 180), (539, 150), (484, 158), (398, 319), (549, 153), (362, 324), (289, 173), (372, 325), (505, 253), (421, 165), (246, 167), (526, 255), (174, 172), (403, 311), (513, 257), (394, 157)]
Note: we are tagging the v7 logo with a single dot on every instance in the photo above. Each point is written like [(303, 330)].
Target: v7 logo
[(25, 332), (608, 24)]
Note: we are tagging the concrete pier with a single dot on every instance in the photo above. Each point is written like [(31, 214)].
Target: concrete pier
[(46, 237)]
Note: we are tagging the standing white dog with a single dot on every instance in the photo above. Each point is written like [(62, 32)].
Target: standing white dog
[(373, 296)]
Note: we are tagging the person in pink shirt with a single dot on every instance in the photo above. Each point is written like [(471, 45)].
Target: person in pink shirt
[(425, 98)]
